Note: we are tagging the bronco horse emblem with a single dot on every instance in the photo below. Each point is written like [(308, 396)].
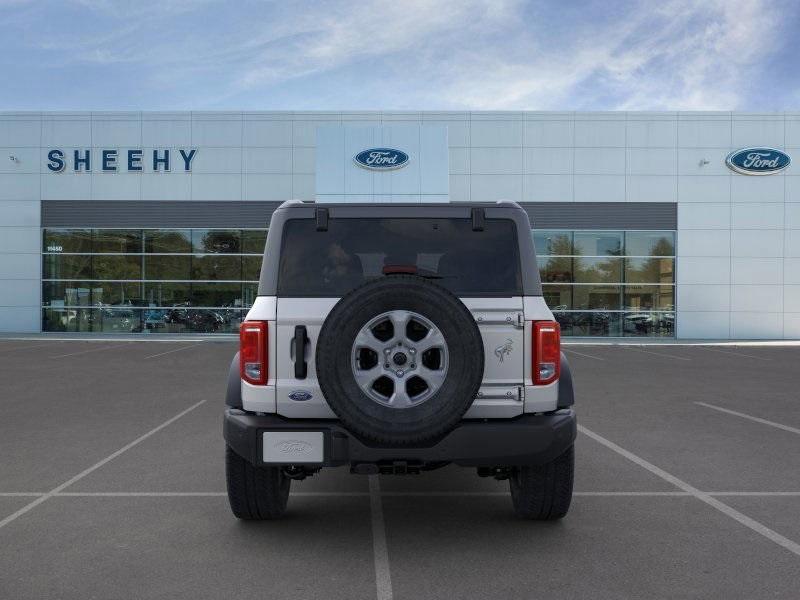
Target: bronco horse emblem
[(502, 351)]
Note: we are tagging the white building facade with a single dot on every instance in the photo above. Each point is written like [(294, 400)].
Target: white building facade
[(154, 222)]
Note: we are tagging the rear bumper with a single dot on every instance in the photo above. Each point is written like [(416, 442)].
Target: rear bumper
[(525, 440)]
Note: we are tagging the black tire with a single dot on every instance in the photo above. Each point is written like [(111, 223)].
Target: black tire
[(435, 416), (255, 493), (544, 493)]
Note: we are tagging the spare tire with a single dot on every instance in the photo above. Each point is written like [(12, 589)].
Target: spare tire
[(400, 360)]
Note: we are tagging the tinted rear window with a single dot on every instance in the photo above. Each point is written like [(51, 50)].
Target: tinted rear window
[(352, 251)]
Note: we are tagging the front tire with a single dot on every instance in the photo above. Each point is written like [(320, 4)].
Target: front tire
[(255, 493), (544, 492)]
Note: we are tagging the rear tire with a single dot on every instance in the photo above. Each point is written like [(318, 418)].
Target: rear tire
[(544, 492), (255, 493)]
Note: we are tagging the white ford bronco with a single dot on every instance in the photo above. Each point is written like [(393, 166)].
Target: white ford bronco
[(399, 338)]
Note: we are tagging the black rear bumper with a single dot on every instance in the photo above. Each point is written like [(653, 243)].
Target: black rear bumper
[(524, 440)]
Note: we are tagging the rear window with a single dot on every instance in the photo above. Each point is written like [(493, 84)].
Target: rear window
[(352, 251)]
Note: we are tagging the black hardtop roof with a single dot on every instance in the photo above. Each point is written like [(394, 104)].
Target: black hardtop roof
[(389, 206)]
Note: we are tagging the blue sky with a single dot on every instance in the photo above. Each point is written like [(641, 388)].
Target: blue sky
[(400, 54)]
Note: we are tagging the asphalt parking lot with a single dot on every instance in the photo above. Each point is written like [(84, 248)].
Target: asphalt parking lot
[(112, 486)]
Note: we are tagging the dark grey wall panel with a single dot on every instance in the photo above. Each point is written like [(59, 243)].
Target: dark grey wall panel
[(141, 213), (603, 215), (543, 215)]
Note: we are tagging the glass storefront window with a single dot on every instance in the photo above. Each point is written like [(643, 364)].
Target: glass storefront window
[(251, 268), (650, 243), (149, 280), (597, 283), (67, 266), (168, 241), (67, 240), (117, 240), (609, 283), (253, 241), (227, 241), (558, 297), (548, 243), (649, 297), (556, 269), (598, 243), (650, 270), (598, 270), (597, 297), (648, 324), (176, 267), (216, 267), (117, 266)]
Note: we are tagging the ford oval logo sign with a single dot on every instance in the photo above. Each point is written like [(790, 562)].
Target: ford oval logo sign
[(758, 161), (381, 159), (300, 395)]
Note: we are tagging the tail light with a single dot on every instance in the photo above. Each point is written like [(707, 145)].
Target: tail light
[(253, 352), (546, 352)]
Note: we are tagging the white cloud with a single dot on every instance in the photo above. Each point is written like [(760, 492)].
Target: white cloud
[(473, 54)]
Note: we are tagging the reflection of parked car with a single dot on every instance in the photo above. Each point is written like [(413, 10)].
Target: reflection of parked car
[(195, 319), (154, 319)]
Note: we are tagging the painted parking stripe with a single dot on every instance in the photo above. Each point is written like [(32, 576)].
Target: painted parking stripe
[(91, 350), (31, 505), (584, 355), (194, 345), (463, 494), (380, 549), (740, 354), (734, 514), (794, 430), (675, 356)]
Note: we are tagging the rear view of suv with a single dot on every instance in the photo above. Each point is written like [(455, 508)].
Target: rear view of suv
[(397, 339)]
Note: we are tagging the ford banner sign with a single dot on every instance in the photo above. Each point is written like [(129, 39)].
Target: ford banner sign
[(381, 159), (758, 161)]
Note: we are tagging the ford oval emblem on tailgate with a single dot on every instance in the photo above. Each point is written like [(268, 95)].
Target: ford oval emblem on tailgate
[(300, 395)]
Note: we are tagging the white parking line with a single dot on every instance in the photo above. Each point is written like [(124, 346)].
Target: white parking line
[(382, 494), (191, 494), (741, 354), (584, 355), (380, 551), (656, 353), (91, 350), (734, 514), (94, 467), (755, 494), (194, 345), (751, 418)]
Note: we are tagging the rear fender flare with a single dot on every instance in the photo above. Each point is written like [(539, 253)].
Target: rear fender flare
[(566, 392), (233, 394)]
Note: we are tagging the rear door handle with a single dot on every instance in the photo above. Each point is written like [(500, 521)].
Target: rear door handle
[(300, 339)]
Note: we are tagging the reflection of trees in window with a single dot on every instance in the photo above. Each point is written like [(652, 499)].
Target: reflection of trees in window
[(649, 270), (67, 240), (220, 241), (598, 270), (117, 240), (556, 269), (168, 240), (253, 241), (117, 267)]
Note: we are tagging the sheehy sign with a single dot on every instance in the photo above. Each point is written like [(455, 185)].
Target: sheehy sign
[(133, 160)]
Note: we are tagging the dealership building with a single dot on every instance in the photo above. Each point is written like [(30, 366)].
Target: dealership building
[(647, 225)]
